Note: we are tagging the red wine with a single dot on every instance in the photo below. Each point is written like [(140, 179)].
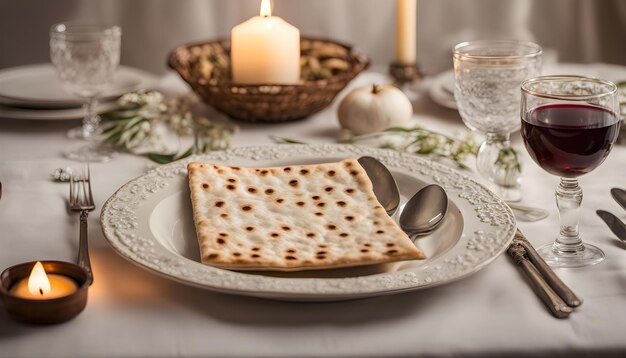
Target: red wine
[(569, 140)]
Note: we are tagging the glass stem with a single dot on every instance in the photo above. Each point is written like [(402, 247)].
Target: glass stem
[(569, 196), (91, 122)]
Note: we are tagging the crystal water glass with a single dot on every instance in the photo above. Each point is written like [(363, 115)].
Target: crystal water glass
[(569, 125), (487, 78), (85, 58)]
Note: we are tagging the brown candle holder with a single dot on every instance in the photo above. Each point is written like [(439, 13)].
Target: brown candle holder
[(50, 311), (404, 74)]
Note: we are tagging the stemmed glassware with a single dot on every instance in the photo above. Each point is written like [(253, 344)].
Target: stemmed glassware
[(569, 125), (487, 77), (85, 58)]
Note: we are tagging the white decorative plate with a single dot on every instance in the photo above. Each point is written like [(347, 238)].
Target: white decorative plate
[(149, 222), (441, 90), (60, 114), (38, 86)]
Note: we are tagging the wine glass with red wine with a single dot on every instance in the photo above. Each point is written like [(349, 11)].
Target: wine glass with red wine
[(569, 125)]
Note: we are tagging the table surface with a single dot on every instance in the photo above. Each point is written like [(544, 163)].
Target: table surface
[(132, 312)]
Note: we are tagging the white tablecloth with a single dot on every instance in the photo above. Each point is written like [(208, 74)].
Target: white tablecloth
[(132, 312)]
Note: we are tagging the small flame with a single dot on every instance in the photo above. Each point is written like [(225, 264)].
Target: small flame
[(266, 8), (38, 282)]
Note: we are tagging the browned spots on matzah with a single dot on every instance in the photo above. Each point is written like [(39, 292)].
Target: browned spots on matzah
[(319, 213), (223, 234), (321, 252), (328, 189), (252, 190), (255, 256), (367, 245), (365, 250), (391, 252), (286, 228), (310, 234), (380, 231), (235, 168), (212, 256), (349, 190), (349, 218), (323, 246), (293, 182), (331, 227), (274, 234), (231, 187), (304, 171), (205, 185), (256, 248), (232, 180), (342, 203), (280, 200), (300, 203), (331, 173), (290, 257), (219, 203), (354, 173), (269, 191), (221, 241), (390, 244), (264, 172), (287, 169), (291, 251), (315, 197), (246, 208), (237, 254), (249, 228), (321, 205), (344, 234), (224, 215)]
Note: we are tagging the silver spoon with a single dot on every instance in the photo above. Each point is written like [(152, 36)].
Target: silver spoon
[(424, 211), (527, 213), (385, 187)]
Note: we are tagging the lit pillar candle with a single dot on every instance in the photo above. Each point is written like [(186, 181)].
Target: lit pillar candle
[(406, 31), (265, 50), (40, 286)]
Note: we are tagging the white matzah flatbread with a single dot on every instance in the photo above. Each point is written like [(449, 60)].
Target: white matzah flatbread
[(292, 218)]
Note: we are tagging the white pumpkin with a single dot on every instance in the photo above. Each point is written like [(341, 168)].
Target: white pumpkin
[(374, 108)]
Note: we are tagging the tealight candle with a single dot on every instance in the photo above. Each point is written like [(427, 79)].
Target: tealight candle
[(40, 286), (44, 292), (265, 50)]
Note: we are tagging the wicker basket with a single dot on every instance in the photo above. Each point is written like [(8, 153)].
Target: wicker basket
[(264, 103)]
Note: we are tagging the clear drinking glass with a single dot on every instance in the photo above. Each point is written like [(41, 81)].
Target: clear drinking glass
[(85, 58), (569, 125), (487, 77)]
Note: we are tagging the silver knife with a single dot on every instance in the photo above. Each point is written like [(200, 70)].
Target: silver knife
[(620, 196), (551, 299), (561, 289), (614, 223)]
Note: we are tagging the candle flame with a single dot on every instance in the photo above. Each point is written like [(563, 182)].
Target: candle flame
[(38, 281), (266, 8)]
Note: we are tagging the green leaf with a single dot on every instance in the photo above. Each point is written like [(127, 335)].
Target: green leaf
[(283, 140), (160, 158)]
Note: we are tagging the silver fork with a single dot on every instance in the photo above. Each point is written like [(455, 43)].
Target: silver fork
[(81, 200)]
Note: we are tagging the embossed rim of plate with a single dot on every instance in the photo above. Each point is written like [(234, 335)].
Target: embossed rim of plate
[(489, 227)]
